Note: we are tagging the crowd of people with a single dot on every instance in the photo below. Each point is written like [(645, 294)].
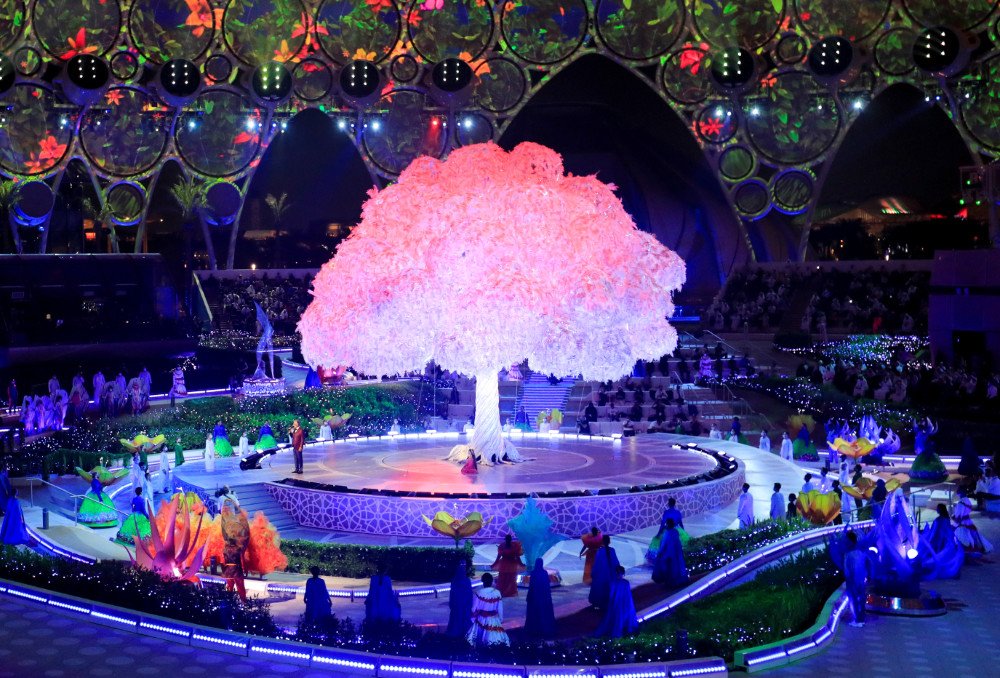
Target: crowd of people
[(283, 298), (850, 301)]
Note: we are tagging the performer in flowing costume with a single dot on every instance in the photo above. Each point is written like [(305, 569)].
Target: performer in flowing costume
[(487, 616)]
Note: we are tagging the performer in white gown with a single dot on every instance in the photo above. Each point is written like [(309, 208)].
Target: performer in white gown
[(966, 532), (715, 433), (487, 616), (244, 446), (210, 453), (765, 442), (98, 382), (744, 510), (166, 477), (325, 432), (786, 447)]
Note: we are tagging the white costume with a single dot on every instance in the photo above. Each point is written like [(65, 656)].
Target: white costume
[(325, 432), (135, 473), (98, 387), (165, 475), (244, 446), (715, 433), (744, 510), (777, 506), (487, 619), (765, 442), (786, 448), (210, 453)]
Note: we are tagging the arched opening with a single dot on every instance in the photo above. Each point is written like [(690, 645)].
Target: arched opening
[(320, 170), (893, 186), (604, 120), (73, 228)]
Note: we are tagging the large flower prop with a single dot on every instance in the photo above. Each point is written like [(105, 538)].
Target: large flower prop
[(105, 476), (864, 488), (456, 528), (334, 420), (486, 259), (856, 449), (172, 553), (817, 507), (143, 443)]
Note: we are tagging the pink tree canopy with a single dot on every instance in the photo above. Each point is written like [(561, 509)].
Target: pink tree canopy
[(487, 258)]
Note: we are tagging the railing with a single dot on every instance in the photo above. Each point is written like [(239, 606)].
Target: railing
[(76, 498), (741, 408)]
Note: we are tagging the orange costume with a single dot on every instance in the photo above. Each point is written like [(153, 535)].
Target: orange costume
[(508, 564), (591, 543)]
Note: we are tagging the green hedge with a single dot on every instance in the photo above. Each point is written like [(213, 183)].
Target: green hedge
[(120, 583), (407, 563), (704, 554)]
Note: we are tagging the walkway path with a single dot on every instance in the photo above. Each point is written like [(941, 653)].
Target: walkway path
[(962, 644)]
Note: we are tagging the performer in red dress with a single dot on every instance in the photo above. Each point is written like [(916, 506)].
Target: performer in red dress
[(508, 564), (592, 541)]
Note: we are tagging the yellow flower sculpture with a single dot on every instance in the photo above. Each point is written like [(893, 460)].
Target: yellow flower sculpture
[(859, 448), (456, 528), (143, 443), (818, 508), (865, 487)]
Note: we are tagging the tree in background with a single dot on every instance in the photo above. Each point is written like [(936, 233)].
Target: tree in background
[(484, 260), (189, 197)]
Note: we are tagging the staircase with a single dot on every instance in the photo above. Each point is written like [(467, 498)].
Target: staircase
[(538, 395), (255, 498)]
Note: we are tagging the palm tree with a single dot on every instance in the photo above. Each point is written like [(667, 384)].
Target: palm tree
[(189, 197), (101, 213), (8, 198), (279, 206)]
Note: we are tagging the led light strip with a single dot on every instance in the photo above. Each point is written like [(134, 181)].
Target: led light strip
[(111, 617), (700, 671), (280, 653), (415, 669), (29, 596), (67, 606), (219, 641), (368, 666), (164, 629)]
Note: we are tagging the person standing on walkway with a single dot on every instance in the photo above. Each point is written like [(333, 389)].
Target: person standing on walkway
[(460, 602), (765, 443), (298, 442), (592, 542), (744, 510), (539, 618), (487, 616), (856, 573), (619, 618), (317, 597), (508, 564), (605, 564), (787, 449), (777, 503)]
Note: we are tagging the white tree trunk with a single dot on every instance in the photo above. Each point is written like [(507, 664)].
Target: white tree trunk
[(487, 439)]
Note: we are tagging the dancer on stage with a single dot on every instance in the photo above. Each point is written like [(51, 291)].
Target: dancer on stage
[(223, 447), (487, 616), (244, 445), (671, 513), (13, 531), (670, 568), (210, 454), (764, 443), (137, 523), (592, 542), (316, 598), (540, 618), (298, 442), (777, 503), (605, 563), (965, 530), (382, 603), (97, 509), (620, 617), (166, 477), (265, 439), (857, 572), (178, 453), (508, 564), (178, 388), (745, 508), (460, 602), (787, 448)]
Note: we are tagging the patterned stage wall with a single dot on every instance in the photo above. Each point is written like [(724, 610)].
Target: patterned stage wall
[(403, 516)]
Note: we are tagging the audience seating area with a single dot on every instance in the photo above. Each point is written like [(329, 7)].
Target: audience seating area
[(283, 295)]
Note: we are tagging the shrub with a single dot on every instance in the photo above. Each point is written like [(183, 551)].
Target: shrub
[(408, 563)]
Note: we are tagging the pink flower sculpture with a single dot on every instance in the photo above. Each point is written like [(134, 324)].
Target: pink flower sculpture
[(485, 259), (169, 552)]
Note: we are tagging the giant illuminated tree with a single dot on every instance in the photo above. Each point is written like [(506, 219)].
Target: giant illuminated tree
[(486, 259)]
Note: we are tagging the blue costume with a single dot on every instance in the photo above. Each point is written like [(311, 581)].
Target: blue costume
[(382, 604), (540, 618), (460, 603), (856, 572), (317, 600), (669, 568), (223, 448), (620, 618), (948, 556), (13, 530), (139, 506), (605, 564)]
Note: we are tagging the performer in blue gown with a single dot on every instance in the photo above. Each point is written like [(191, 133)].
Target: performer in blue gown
[(605, 563), (939, 536), (265, 439), (382, 603), (460, 602), (670, 514), (620, 618), (317, 598), (540, 618), (223, 447), (670, 569), (13, 531)]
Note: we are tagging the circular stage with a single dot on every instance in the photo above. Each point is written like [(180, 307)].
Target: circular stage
[(389, 485)]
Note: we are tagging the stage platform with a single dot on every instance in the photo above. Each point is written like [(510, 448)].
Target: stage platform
[(388, 485)]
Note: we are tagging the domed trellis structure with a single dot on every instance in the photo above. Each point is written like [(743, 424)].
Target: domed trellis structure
[(767, 87)]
